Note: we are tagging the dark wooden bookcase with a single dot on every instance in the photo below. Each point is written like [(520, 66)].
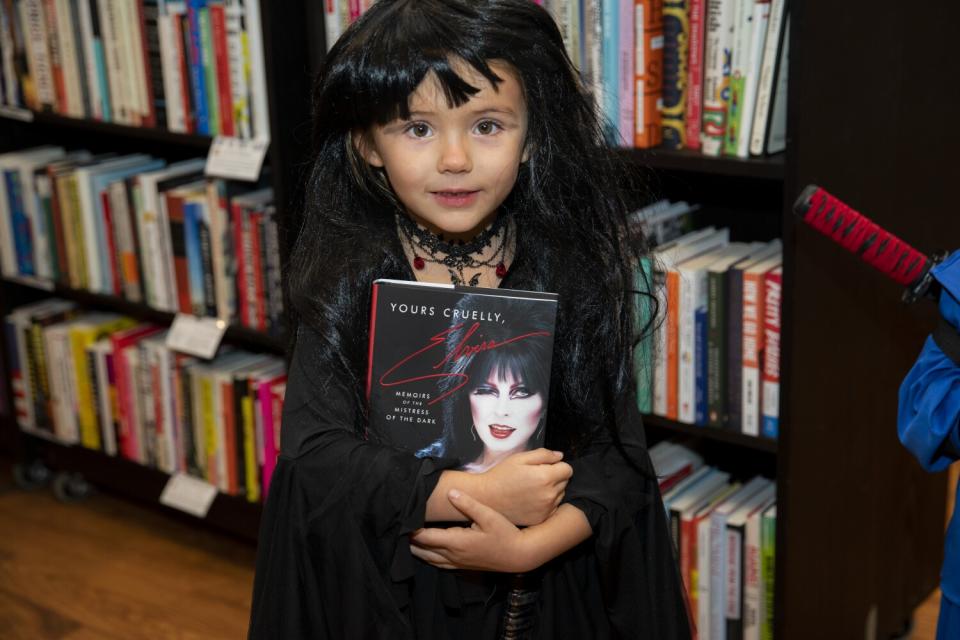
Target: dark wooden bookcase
[(872, 102), (287, 45)]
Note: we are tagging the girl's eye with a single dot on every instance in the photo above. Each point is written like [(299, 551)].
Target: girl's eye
[(418, 129), (488, 127), (521, 392), (484, 391)]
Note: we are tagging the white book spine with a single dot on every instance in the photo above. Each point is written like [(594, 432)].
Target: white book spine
[(331, 22), (132, 47), (88, 213), (90, 60), (112, 56), (718, 565), (258, 78), (752, 581), (777, 140), (38, 54), (765, 81), (172, 76), (626, 74), (239, 71), (758, 34), (686, 347), (165, 269), (146, 232), (68, 60), (732, 579), (716, 73)]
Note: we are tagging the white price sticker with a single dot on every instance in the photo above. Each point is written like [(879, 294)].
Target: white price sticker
[(236, 158), (196, 336), (188, 494)]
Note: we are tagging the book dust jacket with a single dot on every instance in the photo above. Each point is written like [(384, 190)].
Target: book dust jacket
[(459, 372)]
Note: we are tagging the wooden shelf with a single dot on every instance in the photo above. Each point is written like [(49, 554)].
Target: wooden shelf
[(129, 479), (237, 334), (153, 134), (766, 168), (762, 445)]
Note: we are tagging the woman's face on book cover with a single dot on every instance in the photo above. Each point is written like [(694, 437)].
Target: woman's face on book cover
[(506, 412), (452, 168)]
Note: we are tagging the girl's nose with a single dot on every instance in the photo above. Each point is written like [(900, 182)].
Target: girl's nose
[(503, 404), (454, 156)]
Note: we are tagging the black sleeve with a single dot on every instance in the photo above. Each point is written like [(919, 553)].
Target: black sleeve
[(617, 490), (333, 550)]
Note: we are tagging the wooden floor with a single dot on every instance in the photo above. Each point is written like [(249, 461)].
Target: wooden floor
[(109, 569)]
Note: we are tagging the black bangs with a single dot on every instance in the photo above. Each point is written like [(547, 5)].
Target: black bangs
[(371, 75)]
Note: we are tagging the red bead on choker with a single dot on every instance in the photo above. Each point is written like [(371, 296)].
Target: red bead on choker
[(418, 263), (501, 271)]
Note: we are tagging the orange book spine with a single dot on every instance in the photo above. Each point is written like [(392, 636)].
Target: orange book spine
[(648, 73), (673, 342)]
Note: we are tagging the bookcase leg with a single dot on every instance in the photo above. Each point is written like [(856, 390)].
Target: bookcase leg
[(29, 476), (70, 486)]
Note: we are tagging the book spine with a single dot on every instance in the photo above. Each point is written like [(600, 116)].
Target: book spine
[(625, 90), (733, 582), (250, 447), (704, 568), (228, 416), (676, 33), (643, 354), (773, 286), (90, 62), (751, 578), (256, 277), (686, 345), (196, 67), (718, 44), (660, 349), (761, 15), (89, 431), (734, 362), (178, 245), (112, 255), (742, 38), (700, 368), (218, 37), (153, 64), (768, 555), (191, 230), (239, 70), (22, 231), (206, 260), (209, 72), (673, 343), (768, 65), (51, 36), (752, 348), (648, 73), (694, 105), (716, 349)]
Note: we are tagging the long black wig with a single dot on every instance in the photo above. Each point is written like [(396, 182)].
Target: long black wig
[(569, 203)]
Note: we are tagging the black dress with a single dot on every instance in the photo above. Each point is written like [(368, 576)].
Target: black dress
[(334, 558)]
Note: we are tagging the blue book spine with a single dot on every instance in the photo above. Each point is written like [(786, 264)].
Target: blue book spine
[(610, 52), (22, 238), (771, 427), (197, 76), (191, 236), (700, 367)]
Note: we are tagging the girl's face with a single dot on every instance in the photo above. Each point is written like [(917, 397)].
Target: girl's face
[(452, 168), (505, 412)]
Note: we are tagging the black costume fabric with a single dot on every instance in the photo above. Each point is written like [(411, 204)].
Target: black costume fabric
[(334, 558)]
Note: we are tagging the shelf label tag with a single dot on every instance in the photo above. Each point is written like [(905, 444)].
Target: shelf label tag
[(236, 158), (197, 336), (17, 113), (188, 494)]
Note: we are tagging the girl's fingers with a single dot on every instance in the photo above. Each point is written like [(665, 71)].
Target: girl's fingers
[(479, 513), (431, 557)]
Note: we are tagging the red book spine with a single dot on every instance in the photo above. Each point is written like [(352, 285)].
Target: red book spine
[(237, 214), (688, 555), (181, 269), (177, 25), (149, 118), (694, 105), (111, 243), (260, 310), (218, 24)]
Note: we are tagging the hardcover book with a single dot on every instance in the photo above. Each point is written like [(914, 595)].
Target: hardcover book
[(459, 372)]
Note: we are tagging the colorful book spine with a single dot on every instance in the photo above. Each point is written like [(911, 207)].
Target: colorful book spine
[(648, 73), (694, 105), (209, 71), (743, 37), (768, 536), (676, 33), (718, 44), (198, 89), (770, 404)]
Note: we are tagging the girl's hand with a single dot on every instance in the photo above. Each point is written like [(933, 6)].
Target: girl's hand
[(492, 543), (527, 487)]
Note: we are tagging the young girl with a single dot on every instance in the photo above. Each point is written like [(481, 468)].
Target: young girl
[(454, 144)]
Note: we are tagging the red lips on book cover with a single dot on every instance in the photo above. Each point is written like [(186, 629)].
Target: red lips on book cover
[(459, 372)]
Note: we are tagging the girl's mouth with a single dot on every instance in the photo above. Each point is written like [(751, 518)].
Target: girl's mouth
[(455, 198), (501, 432)]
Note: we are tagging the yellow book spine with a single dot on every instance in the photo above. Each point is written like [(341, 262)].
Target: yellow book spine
[(250, 450), (209, 428)]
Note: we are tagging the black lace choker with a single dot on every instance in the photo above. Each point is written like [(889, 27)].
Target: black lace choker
[(456, 256)]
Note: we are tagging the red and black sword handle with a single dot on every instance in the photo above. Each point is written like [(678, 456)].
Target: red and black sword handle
[(875, 245)]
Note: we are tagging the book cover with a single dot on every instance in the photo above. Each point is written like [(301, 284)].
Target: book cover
[(459, 372), (770, 393)]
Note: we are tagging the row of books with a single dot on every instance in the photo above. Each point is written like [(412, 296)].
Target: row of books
[(108, 383), (192, 66), (136, 227), (724, 535), (714, 359)]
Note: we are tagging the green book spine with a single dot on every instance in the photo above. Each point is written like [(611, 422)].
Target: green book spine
[(716, 349), (768, 529), (643, 353), (210, 72)]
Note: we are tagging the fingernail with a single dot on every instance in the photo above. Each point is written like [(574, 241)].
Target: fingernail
[(454, 494), (558, 454)]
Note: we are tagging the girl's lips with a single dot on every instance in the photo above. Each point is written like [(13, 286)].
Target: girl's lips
[(500, 432), (455, 198)]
